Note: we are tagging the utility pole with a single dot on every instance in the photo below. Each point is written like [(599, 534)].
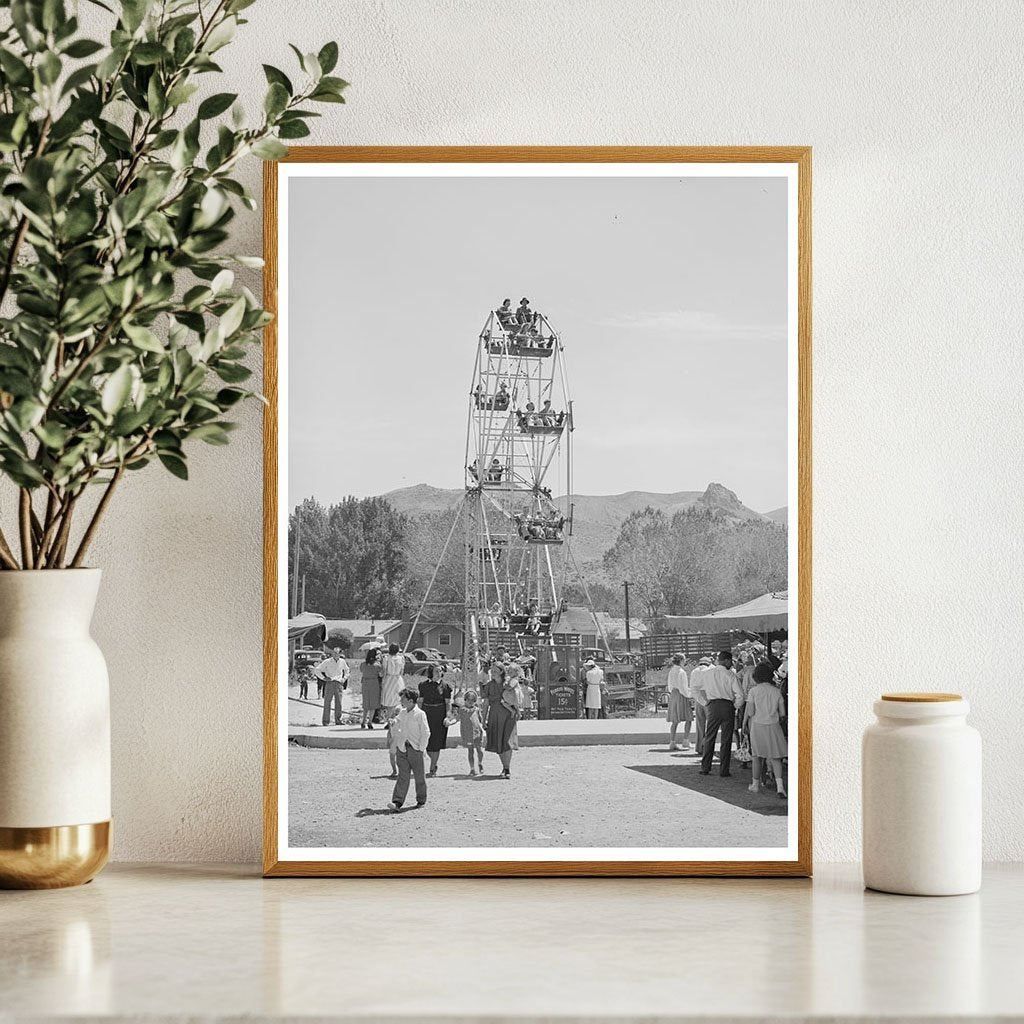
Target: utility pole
[(303, 608), (629, 643), (295, 561)]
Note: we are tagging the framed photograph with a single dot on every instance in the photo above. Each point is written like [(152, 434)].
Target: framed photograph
[(538, 511)]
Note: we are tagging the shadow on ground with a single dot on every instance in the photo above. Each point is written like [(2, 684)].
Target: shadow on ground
[(731, 791)]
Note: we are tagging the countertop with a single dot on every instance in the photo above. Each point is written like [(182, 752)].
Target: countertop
[(179, 942)]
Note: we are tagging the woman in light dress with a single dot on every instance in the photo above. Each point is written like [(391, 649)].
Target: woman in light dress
[(393, 667), (595, 689), (370, 672), (765, 705)]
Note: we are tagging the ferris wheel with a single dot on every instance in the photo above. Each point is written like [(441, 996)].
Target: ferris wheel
[(517, 511), (518, 459)]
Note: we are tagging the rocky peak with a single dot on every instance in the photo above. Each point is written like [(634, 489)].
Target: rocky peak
[(722, 499)]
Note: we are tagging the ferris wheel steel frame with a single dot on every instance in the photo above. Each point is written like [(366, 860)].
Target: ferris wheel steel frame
[(512, 584)]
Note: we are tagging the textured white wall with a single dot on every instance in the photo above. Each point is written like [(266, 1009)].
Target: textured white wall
[(914, 113)]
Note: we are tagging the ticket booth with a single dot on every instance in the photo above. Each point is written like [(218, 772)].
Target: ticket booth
[(557, 674)]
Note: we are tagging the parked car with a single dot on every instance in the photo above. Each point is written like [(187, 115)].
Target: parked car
[(417, 661), (306, 657)]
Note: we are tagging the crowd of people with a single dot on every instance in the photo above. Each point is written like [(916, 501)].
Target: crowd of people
[(745, 704), (729, 699), (417, 720)]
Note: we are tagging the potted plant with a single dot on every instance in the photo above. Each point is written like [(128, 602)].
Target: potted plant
[(122, 342)]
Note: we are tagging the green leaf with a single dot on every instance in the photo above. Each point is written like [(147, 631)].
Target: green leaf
[(181, 94), (116, 390), (144, 338), (49, 68), (26, 413), (16, 70), (233, 373), (175, 464), (128, 421), (184, 44), (328, 57), (293, 130), (223, 280), (232, 319), (276, 99), (221, 35), (269, 149), (324, 96), (78, 78), (133, 13), (53, 435), (83, 48), (216, 104), (156, 100), (275, 75), (149, 53), (211, 433)]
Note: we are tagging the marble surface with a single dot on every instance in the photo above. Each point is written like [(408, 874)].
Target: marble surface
[(176, 942)]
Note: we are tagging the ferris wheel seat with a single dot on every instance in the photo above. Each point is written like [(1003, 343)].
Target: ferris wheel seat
[(540, 352), (553, 429), (544, 540)]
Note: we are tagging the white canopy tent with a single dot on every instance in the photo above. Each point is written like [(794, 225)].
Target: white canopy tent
[(764, 614)]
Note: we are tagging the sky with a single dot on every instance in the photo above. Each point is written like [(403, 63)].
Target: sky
[(669, 295)]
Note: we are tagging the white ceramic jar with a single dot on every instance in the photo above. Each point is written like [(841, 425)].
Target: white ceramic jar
[(921, 778)]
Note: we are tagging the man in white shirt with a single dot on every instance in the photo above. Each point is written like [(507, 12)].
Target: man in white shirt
[(334, 673), (724, 695), (678, 703), (700, 701), (410, 732)]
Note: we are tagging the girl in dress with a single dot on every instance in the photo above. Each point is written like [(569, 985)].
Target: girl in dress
[(471, 729), (767, 740)]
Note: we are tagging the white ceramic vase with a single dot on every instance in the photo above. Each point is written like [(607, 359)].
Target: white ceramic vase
[(921, 774), (54, 731)]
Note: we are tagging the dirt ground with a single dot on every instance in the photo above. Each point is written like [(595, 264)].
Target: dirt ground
[(617, 796)]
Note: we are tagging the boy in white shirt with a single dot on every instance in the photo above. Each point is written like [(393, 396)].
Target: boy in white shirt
[(410, 732)]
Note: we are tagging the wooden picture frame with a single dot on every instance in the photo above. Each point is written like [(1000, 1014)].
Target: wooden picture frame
[(799, 862)]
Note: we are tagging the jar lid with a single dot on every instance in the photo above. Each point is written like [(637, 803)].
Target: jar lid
[(921, 698)]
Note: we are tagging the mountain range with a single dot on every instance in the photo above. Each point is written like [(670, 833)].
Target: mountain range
[(598, 518)]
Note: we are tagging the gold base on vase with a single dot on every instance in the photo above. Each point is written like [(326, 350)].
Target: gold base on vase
[(54, 857)]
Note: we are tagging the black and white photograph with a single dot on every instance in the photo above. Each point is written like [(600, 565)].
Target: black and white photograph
[(537, 594)]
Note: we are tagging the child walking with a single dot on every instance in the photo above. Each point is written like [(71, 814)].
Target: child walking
[(471, 727), (392, 748)]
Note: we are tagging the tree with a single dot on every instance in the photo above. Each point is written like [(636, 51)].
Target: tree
[(352, 556), (641, 554), (697, 561), (425, 541)]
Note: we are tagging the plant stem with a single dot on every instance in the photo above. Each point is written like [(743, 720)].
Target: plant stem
[(56, 556), (94, 523), (86, 357), (51, 523), (25, 523), (6, 554)]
